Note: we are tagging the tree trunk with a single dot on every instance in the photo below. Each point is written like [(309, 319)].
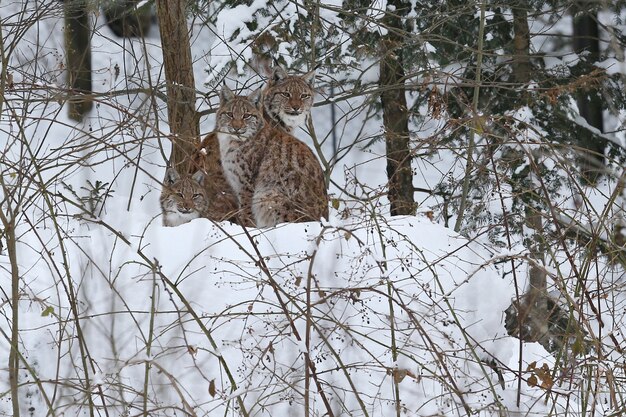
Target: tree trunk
[(589, 102), (125, 19), (181, 93), (620, 223), (78, 51), (395, 114), (537, 295), (521, 43), (532, 309), (537, 292)]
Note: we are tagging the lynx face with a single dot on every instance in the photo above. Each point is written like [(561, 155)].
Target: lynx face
[(238, 117), (288, 99), (239, 120), (183, 198)]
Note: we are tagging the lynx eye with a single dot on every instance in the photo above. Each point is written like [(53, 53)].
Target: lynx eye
[(196, 196), (229, 114), (246, 116), (305, 96), (285, 94), (180, 195)]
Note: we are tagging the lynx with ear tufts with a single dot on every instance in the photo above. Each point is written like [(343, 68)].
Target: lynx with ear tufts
[(287, 99), (275, 177), (281, 90), (182, 198)]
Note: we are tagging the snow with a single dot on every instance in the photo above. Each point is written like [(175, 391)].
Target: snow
[(612, 66)]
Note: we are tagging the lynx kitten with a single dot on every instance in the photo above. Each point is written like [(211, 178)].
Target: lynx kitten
[(183, 197), (287, 99), (275, 177)]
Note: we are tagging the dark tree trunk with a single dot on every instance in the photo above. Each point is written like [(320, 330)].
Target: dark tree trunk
[(125, 19), (537, 293), (78, 51), (396, 114), (589, 101), (181, 93), (528, 317), (620, 224), (521, 44)]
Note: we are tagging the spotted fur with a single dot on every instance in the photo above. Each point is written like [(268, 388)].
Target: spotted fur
[(222, 202), (275, 177)]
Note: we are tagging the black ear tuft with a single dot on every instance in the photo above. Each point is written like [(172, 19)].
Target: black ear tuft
[(171, 176), (226, 94), (199, 177), (309, 77), (255, 97), (279, 73)]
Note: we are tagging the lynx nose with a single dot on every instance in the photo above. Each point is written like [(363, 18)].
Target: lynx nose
[(238, 126), (294, 110), (185, 206)]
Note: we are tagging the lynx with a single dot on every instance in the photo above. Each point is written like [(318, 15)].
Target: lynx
[(223, 204), (183, 197), (287, 99), (275, 177)]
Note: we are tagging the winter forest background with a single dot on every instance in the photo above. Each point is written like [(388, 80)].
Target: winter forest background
[(473, 262)]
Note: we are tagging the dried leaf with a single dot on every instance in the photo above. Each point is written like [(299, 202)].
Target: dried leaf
[(543, 372), (546, 383), (193, 351), (399, 375), (212, 388), (532, 381), (334, 203), (298, 281), (546, 377)]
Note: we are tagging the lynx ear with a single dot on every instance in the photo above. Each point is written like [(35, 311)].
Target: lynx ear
[(198, 177), (279, 73), (255, 97), (309, 77), (171, 176), (226, 94)]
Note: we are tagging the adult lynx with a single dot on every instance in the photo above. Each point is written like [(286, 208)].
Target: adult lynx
[(287, 102), (182, 198), (287, 99), (275, 177)]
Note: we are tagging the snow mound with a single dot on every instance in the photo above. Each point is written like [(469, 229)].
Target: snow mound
[(365, 304)]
